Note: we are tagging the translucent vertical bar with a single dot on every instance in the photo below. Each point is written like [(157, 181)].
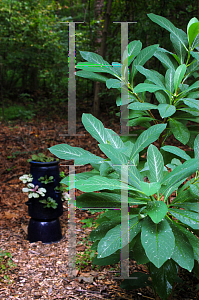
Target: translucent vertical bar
[(71, 225), (71, 82), (124, 257), (124, 72)]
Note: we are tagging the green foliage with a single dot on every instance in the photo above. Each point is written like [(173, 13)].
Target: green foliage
[(14, 112), (49, 203), (41, 157), (162, 228), (174, 91), (6, 263), (46, 179)]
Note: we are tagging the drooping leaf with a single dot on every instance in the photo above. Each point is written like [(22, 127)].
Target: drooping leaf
[(183, 253), (146, 87), (155, 163), (144, 55), (138, 251), (142, 106), (163, 22), (179, 48), (165, 60), (187, 217), (180, 173), (156, 210), (166, 110), (91, 75), (98, 200), (146, 138), (95, 128), (68, 152), (114, 139), (113, 83), (177, 151), (151, 76), (191, 103), (112, 240), (164, 277), (162, 97), (158, 241), (179, 130)]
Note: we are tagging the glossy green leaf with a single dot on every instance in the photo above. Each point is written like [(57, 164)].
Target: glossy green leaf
[(190, 88), (95, 128), (146, 87), (97, 183), (187, 217), (142, 106), (194, 241), (196, 147), (156, 210), (141, 120), (106, 261), (177, 151), (68, 152), (179, 173), (151, 76), (158, 241), (191, 103), (94, 58), (91, 75), (178, 76), (163, 22), (92, 67), (138, 252), (144, 55), (179, 48), (113, 83), (193, 31), (195, 42), (169, 80), (146, 138), (113, 138), (112, 240), (164, 278), (98, 200), (116, 157), (188, 206), (179, 130), (183, 253), (166, 110), (165, 60), (155, 164), (162, 97), (150, 188), (131, 51), (100, 232)]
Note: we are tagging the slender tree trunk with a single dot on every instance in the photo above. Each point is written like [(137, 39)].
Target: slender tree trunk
[(96, 104)]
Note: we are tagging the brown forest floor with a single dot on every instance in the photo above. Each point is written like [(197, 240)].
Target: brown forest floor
[(41, 269)]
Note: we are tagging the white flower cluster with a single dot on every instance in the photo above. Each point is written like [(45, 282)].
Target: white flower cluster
[(26, 178), (34, 191)]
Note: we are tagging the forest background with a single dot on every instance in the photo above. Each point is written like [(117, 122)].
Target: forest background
[(34, 49)]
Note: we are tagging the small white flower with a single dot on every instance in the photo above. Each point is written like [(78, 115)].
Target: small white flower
[(34, 191), (26, 178)]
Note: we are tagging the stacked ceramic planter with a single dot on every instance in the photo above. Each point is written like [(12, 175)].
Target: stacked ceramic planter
[(44, 224)]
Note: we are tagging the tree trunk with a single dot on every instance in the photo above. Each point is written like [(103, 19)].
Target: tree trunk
[(96, 104)]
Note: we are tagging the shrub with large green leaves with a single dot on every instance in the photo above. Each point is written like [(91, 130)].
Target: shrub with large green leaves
[(163, 219), (168, 97)]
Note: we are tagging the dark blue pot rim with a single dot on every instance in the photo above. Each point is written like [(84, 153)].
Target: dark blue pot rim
[(40, 163)]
